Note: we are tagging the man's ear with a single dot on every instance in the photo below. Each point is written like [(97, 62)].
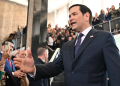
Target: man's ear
[(44, 53), (87, 15)]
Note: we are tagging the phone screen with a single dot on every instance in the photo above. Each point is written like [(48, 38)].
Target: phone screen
[(7, 45)]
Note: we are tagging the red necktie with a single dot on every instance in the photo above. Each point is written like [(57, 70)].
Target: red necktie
[(9, 62)]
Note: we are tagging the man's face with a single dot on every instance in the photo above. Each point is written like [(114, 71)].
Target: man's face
[(76, 18), (23, 54), (70, 38)]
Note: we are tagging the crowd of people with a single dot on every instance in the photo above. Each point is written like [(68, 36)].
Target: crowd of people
[(57, 36), (17, 34), (16, 76), (87, 60), (89, 65), (103, 17)]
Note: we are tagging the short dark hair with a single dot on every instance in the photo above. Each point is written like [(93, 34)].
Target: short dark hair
[(41, 50), (7, 41), (83, 9), (3, 43)]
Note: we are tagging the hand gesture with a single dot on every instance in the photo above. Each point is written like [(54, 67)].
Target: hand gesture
[(25, 65), (5, 54), (19, 74)]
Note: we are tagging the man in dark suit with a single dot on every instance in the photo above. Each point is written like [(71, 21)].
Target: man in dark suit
[(87, 66), (42, 59)]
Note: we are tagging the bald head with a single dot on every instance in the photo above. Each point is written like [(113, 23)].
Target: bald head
[(23, 54)]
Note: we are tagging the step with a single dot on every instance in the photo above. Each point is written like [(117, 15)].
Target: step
[(57, 83), (60, 78)]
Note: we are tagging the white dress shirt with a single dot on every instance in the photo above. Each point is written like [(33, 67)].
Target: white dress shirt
[(85, 32)]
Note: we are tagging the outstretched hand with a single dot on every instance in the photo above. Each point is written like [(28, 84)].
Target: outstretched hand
[(26, 65), (6, 54)]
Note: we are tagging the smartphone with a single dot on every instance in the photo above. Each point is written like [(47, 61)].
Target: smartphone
[(7, 45)]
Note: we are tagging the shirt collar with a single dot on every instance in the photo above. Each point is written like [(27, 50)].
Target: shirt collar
[(85, 32)]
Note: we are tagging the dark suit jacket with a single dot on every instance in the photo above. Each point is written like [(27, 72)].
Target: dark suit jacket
[(97, 54), (11, 81), (7, 65), (42, 82)]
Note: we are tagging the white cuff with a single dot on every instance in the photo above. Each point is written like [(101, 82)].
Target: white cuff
[(13, 73), (32, 75)]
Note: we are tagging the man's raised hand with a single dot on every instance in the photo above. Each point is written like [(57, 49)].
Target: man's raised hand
[(25, 65), (5, 54)]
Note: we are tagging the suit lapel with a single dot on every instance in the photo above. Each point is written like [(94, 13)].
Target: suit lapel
[(88, 39)]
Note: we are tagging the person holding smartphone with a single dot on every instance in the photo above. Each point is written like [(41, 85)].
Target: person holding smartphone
[(5, 56), (9, 64)]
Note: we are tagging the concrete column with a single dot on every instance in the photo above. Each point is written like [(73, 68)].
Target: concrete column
[(30, 23), (39, 26)]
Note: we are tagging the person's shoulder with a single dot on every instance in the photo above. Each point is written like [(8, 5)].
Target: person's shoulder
[(38, 61), (101, 32), (68, 43)]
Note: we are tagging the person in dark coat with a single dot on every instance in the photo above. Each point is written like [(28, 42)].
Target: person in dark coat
[(42, 59)]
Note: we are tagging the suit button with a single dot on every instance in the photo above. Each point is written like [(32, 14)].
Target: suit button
[(72, 72)]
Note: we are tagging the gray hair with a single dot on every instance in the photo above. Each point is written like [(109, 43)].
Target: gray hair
[(41, 50)]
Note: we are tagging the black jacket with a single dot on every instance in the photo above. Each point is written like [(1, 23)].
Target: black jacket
[(42, 82), (11, 80)]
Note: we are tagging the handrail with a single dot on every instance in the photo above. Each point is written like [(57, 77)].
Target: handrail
[(114, 18), (108, 25), (50, 48), (54, 56), (107, 21)]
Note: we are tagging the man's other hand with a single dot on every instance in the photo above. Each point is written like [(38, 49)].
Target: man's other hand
[(19, 74), (6, 54)]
